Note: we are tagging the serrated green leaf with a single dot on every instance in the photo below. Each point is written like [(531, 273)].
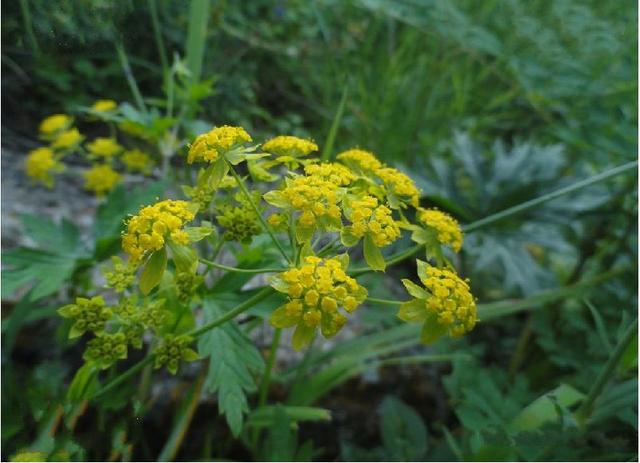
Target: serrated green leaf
[(233, 362), (403, 432), (153, 271), (373, 255)]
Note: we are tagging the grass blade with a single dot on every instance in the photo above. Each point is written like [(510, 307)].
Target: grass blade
[(197, 37), (333, 131)]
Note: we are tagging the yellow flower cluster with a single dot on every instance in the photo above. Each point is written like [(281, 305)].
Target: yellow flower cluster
[(399, 184), (41, 164), (332, 172), (446, 304), (316, 290), (215, 143), (398, 187), (89, 315), (359, 160), (100, 179), (103, 106), (54, 123), (367, 216), (316, 198), (137, 161), (445, 227), (67, 139), (148, 231), (104, 147), (286, 145)]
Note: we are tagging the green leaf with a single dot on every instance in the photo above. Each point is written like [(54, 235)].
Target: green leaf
[(266, 415), (404, 434), (415, 290), (196, 234), (373, 255), (432, 330), (276, 199), (234, 362), (63, 238), (413, 311), (303, 336), (543, 409), (214, 174), (84, 382), (153, 271), (347, 238), (184, 257)]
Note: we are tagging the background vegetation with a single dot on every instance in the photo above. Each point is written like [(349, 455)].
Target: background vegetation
[(488, 104)]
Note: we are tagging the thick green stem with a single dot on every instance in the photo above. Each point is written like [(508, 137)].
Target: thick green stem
[(266, 377), (246, 305), (254, 206), (124, 376), (606, 373), (384, 301), (241, 270)]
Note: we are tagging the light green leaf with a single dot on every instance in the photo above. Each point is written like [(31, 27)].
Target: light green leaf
[(347, 238), (198, 233), (281, 319), (415, 290), (276, 199), (373, 255), (543, 409), (214, 174), (84, 383), (422, 269), (184, 257), (413, 311), (153, 271), (303, 336), (432, 330)]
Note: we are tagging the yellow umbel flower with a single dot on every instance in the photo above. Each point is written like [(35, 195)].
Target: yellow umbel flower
[(67, 140), (41, 164), (137, 161), (359, 160), (316, 291), (55, 123), (104, 147), (212, 145), (101, 179), (317, 201), (104, 106), (399, 185), (446, 228), (240, 222), (445, 304), (121, 275), (332, 172), (369, 217), (287, 145), (148, 231)]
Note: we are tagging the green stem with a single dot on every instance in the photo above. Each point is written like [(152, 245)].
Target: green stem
[(246, 305), (241, 270), (266, 377), (384, 301), (266, 227), (548, 197), (124, 376), (126, 68), (157, 35), (28, 26), (583, 413)]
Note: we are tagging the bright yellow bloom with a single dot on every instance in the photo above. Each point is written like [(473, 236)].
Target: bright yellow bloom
[(286, 145), (55, 123), (101, 179), (399, 185), (137, 161), (445, 227), (103, 106), (332, 172), (359, 160), (445, 304), (316, 290), (210, 146), (104, 147), (148, 231), (368, 217), (41, 164), (67, 139)]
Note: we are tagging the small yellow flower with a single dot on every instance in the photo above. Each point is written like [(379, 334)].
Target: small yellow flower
[(210, 146), (55, 123), (104, 147), (359, 160), (148, 231), (369, 217), (332, 172), (286, 145), (316, 290), (101, 179), (445, 227), (41, 164), (104, 106), (67, 140), (399, 185), (445, 305), (137, 161)]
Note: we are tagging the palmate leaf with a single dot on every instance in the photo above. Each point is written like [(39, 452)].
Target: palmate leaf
[(234, 362)]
